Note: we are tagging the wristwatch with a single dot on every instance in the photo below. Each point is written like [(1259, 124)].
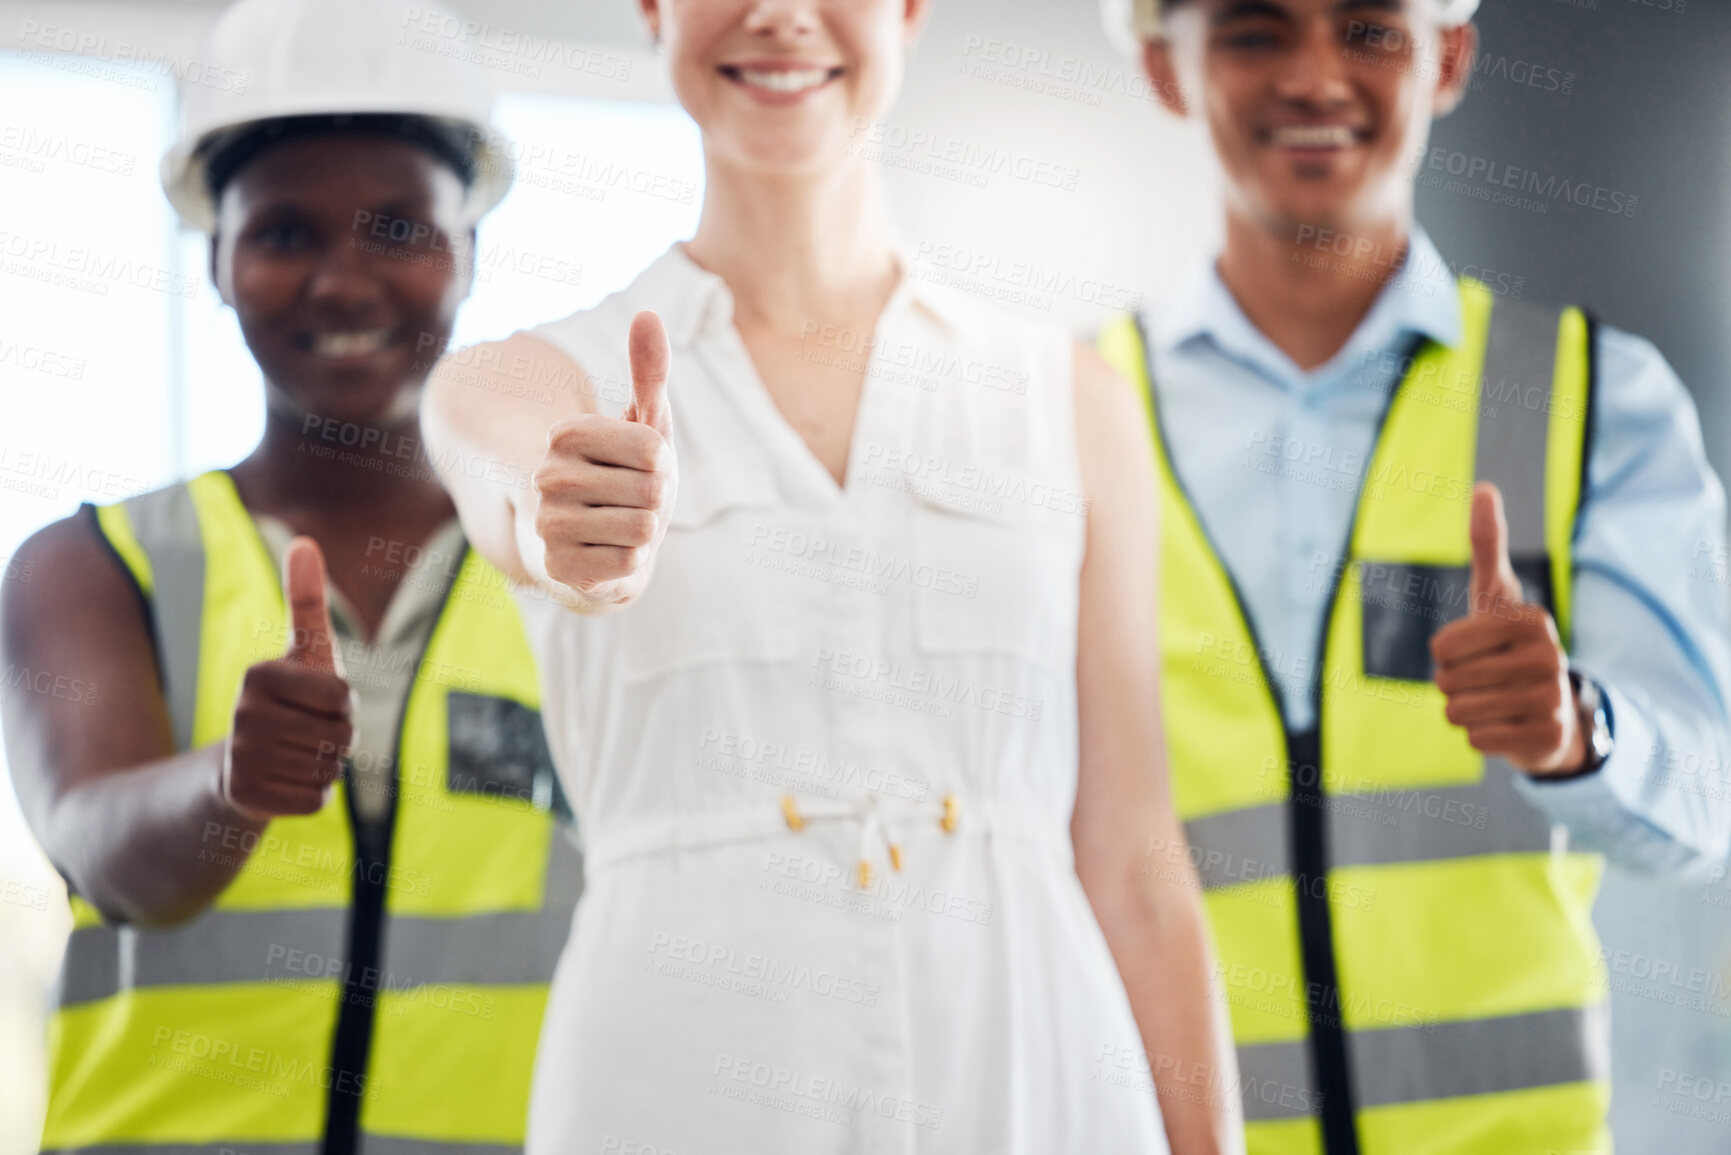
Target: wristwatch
[(1596, 717)]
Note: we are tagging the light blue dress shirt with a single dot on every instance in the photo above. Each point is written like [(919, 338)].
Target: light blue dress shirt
[(1272, 456)]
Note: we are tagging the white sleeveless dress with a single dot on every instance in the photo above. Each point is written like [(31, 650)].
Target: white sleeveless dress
[(816, 674)]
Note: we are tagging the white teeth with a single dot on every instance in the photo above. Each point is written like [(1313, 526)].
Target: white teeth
[(785, 81), (1314, 136), (350, 344)]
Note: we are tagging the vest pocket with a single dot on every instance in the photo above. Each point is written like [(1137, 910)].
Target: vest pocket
[(995, 578), (1404, 603), (495, 747)]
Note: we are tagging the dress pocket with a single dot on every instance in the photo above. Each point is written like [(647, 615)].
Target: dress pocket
[(706, 602), (1003, 577)]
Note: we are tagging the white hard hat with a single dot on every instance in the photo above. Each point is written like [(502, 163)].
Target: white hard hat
[(1130, 22), (267, 59)]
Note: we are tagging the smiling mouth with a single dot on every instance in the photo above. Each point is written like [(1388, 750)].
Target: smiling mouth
[(1313, 136), (782, 81), (353, 343)]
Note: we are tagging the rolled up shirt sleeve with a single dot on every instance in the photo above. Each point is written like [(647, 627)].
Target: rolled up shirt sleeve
[(1650, 626)]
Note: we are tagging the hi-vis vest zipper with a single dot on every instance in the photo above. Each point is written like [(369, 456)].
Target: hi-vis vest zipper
[(327, 1000), (1405, 943)]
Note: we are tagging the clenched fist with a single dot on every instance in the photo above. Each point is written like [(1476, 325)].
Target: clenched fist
[(291, 722), (606, 484)]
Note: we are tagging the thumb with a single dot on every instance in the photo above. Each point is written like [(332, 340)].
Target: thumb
[(1493, 576), (649, 357), (312, 642)]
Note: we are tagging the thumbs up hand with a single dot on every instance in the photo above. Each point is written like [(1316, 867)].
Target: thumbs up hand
[(292, 719), (1494, 585), (312, 644), (1502, 666), (606, 485)]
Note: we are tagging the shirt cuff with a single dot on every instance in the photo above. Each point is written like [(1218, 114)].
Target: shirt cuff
[(1602, 806)]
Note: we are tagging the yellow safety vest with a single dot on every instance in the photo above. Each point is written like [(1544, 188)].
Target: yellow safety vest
[(326, 1000), (1405, 942)]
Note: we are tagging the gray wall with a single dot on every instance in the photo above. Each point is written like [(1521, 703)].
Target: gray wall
[(1649, 116)]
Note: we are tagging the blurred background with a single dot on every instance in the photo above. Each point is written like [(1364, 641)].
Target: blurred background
[(120, 370)]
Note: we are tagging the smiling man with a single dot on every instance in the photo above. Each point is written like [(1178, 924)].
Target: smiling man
[(1432, 642)]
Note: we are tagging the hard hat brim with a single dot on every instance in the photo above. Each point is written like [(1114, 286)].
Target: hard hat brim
[(1129, 23), (182, 173)]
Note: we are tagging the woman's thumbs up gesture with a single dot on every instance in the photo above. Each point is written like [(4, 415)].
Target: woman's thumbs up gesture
[(606, 485)]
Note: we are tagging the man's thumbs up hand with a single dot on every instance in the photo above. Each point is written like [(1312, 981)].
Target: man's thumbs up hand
[(1502, 666), (606, 485), (292, 724), (1493, 583)]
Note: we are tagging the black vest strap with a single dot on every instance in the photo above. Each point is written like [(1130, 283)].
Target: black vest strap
[(1328, 1041)]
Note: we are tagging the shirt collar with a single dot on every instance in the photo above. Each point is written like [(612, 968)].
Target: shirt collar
[(1420, 300), (419, 595), (691, 299), (1423, 298)]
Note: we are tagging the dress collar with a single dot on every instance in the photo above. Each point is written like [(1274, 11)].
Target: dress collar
[(691, 299)]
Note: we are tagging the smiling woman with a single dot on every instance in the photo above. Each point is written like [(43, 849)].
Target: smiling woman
[(180, 391), (380, 721), (721, 563)]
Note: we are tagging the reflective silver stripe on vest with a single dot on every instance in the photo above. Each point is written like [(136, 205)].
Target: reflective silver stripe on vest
[(294, 946), (248, 1147), (219, 946), (564, 870), (1481, 1056), (1437, 1061), (1375, 829), (165, 522), (1276, 1081), (1515, 414), (504, 948), (397, 1145), (1390, 826), (1237, 846), (369, 1145)]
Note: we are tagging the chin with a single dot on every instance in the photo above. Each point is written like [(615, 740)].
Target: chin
[(789, 153), (368, 402), (1324, 207)]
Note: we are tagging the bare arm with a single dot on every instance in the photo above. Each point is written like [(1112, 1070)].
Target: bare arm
[(145, 834), (550, 491), (1153, 920), (486, 415), (118, 812)]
